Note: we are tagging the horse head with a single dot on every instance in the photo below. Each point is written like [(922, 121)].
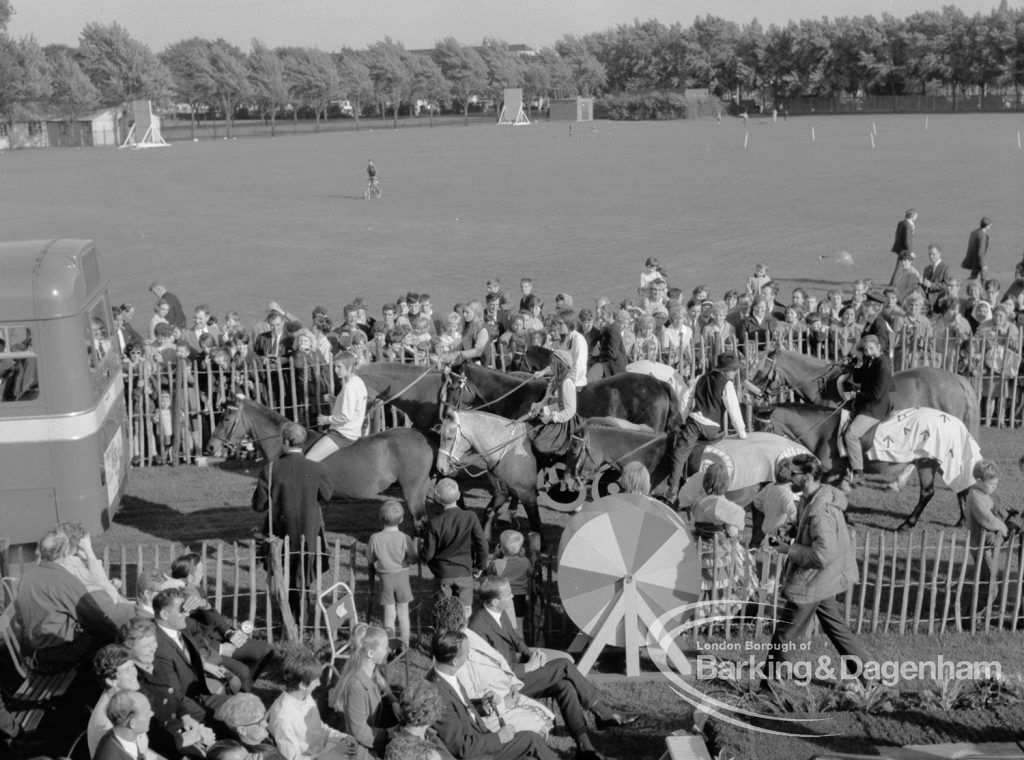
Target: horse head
[(231, 430), (453, 446), (765, 373)]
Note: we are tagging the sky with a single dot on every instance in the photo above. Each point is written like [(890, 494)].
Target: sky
[(332, 24)]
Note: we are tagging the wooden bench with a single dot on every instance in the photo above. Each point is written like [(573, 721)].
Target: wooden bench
[(37, 690), (685, 746)]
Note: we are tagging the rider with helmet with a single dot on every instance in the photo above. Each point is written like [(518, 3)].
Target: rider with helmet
[(871, 379)]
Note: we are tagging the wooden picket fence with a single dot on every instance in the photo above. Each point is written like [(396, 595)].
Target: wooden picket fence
[(926, 581)]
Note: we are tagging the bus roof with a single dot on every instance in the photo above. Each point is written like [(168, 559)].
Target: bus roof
[(46, 279)]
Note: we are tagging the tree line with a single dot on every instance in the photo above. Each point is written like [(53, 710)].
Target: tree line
[(942, 52)]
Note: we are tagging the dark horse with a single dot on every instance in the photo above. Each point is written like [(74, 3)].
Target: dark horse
[(360, 471), (817, 428), (814, 380), (507, 453), (639, 399)]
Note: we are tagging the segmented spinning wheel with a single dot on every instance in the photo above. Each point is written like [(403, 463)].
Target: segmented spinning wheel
[(625, 561)]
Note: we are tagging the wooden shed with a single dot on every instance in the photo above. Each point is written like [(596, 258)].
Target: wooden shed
[(571, 109)]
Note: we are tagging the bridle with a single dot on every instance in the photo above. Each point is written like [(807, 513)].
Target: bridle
[(459, 463), (773, 385)]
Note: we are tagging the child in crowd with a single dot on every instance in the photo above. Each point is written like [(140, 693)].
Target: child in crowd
[(295, 721), (389, 553), (163, 420), (512, 564), (417, 342), (759, 279), (652, 271), (987, 528), (514, 343), (454, 548)]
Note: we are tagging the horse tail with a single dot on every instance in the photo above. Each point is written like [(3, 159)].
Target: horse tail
[(972, 404)]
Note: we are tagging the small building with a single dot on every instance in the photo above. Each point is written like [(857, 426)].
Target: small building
[(49, 131), (571, 109)]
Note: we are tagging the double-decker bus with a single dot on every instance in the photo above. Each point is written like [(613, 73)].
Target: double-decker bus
[(62, 413)]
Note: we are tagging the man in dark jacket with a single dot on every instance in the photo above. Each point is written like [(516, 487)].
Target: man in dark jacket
[(904, 240), (291, 489), (459, 727), (977, 247), (609, 356), (872, 381)]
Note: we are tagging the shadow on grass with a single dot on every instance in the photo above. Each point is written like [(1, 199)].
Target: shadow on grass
[(164, 522)]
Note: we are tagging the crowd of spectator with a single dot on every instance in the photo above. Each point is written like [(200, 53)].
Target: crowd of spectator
[(183, 369)]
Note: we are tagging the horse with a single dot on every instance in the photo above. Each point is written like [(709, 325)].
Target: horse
[(360, 471), (817, 428), (814, 380), (638, 399), (504, 448), (413, 389)]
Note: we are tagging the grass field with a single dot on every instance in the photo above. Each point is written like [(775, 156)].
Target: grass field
[(236, 223)]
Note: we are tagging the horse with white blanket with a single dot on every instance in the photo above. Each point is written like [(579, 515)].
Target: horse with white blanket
[(934, 441)]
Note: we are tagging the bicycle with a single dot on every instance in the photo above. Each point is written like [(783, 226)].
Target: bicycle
[(372, 189)]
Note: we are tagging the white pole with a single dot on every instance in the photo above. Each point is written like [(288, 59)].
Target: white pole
[(926, 122), (872, 142), (746, 136), (874, 129), (812, 134), (1018, 139)]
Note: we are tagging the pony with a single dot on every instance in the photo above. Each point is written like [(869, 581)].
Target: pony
[(814, 380), (503, 446), (360, 471), (638, 399), (817, 428)]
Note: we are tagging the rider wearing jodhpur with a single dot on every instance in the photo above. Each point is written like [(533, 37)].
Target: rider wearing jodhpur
[(872, 381), (714, 396)]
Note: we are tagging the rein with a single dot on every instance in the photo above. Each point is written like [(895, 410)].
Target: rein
[(771, 372), (465, 381), (419, 377)]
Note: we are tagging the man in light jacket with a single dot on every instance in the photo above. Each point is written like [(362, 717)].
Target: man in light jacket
[(821, 564)]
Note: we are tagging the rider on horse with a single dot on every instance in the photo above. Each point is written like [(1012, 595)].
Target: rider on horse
[(872, 381), (559, 435), (714, 395)]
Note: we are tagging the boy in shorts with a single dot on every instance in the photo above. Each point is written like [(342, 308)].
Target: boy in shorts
[(388, 554), (454, 548)]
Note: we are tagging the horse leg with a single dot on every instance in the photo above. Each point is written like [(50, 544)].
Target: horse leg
[(961, 500), (926, 475), (901, 479)]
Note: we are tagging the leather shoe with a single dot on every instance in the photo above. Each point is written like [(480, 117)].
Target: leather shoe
[(615, 720)]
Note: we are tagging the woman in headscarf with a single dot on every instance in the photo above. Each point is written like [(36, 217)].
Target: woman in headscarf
[(554, 437)]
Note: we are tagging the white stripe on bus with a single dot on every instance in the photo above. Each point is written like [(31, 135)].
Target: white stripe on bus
[(63, 427)]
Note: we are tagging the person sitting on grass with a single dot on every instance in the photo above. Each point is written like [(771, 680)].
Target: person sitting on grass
[(246, 716), (362, 694), (295, 722)]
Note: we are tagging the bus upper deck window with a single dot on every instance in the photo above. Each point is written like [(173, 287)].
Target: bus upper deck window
[(19, 380)]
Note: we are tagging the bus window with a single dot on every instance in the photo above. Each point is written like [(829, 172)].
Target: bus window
[(102, 351), (18, 378)]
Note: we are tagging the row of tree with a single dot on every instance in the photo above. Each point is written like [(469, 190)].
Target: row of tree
[(931, 51)]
